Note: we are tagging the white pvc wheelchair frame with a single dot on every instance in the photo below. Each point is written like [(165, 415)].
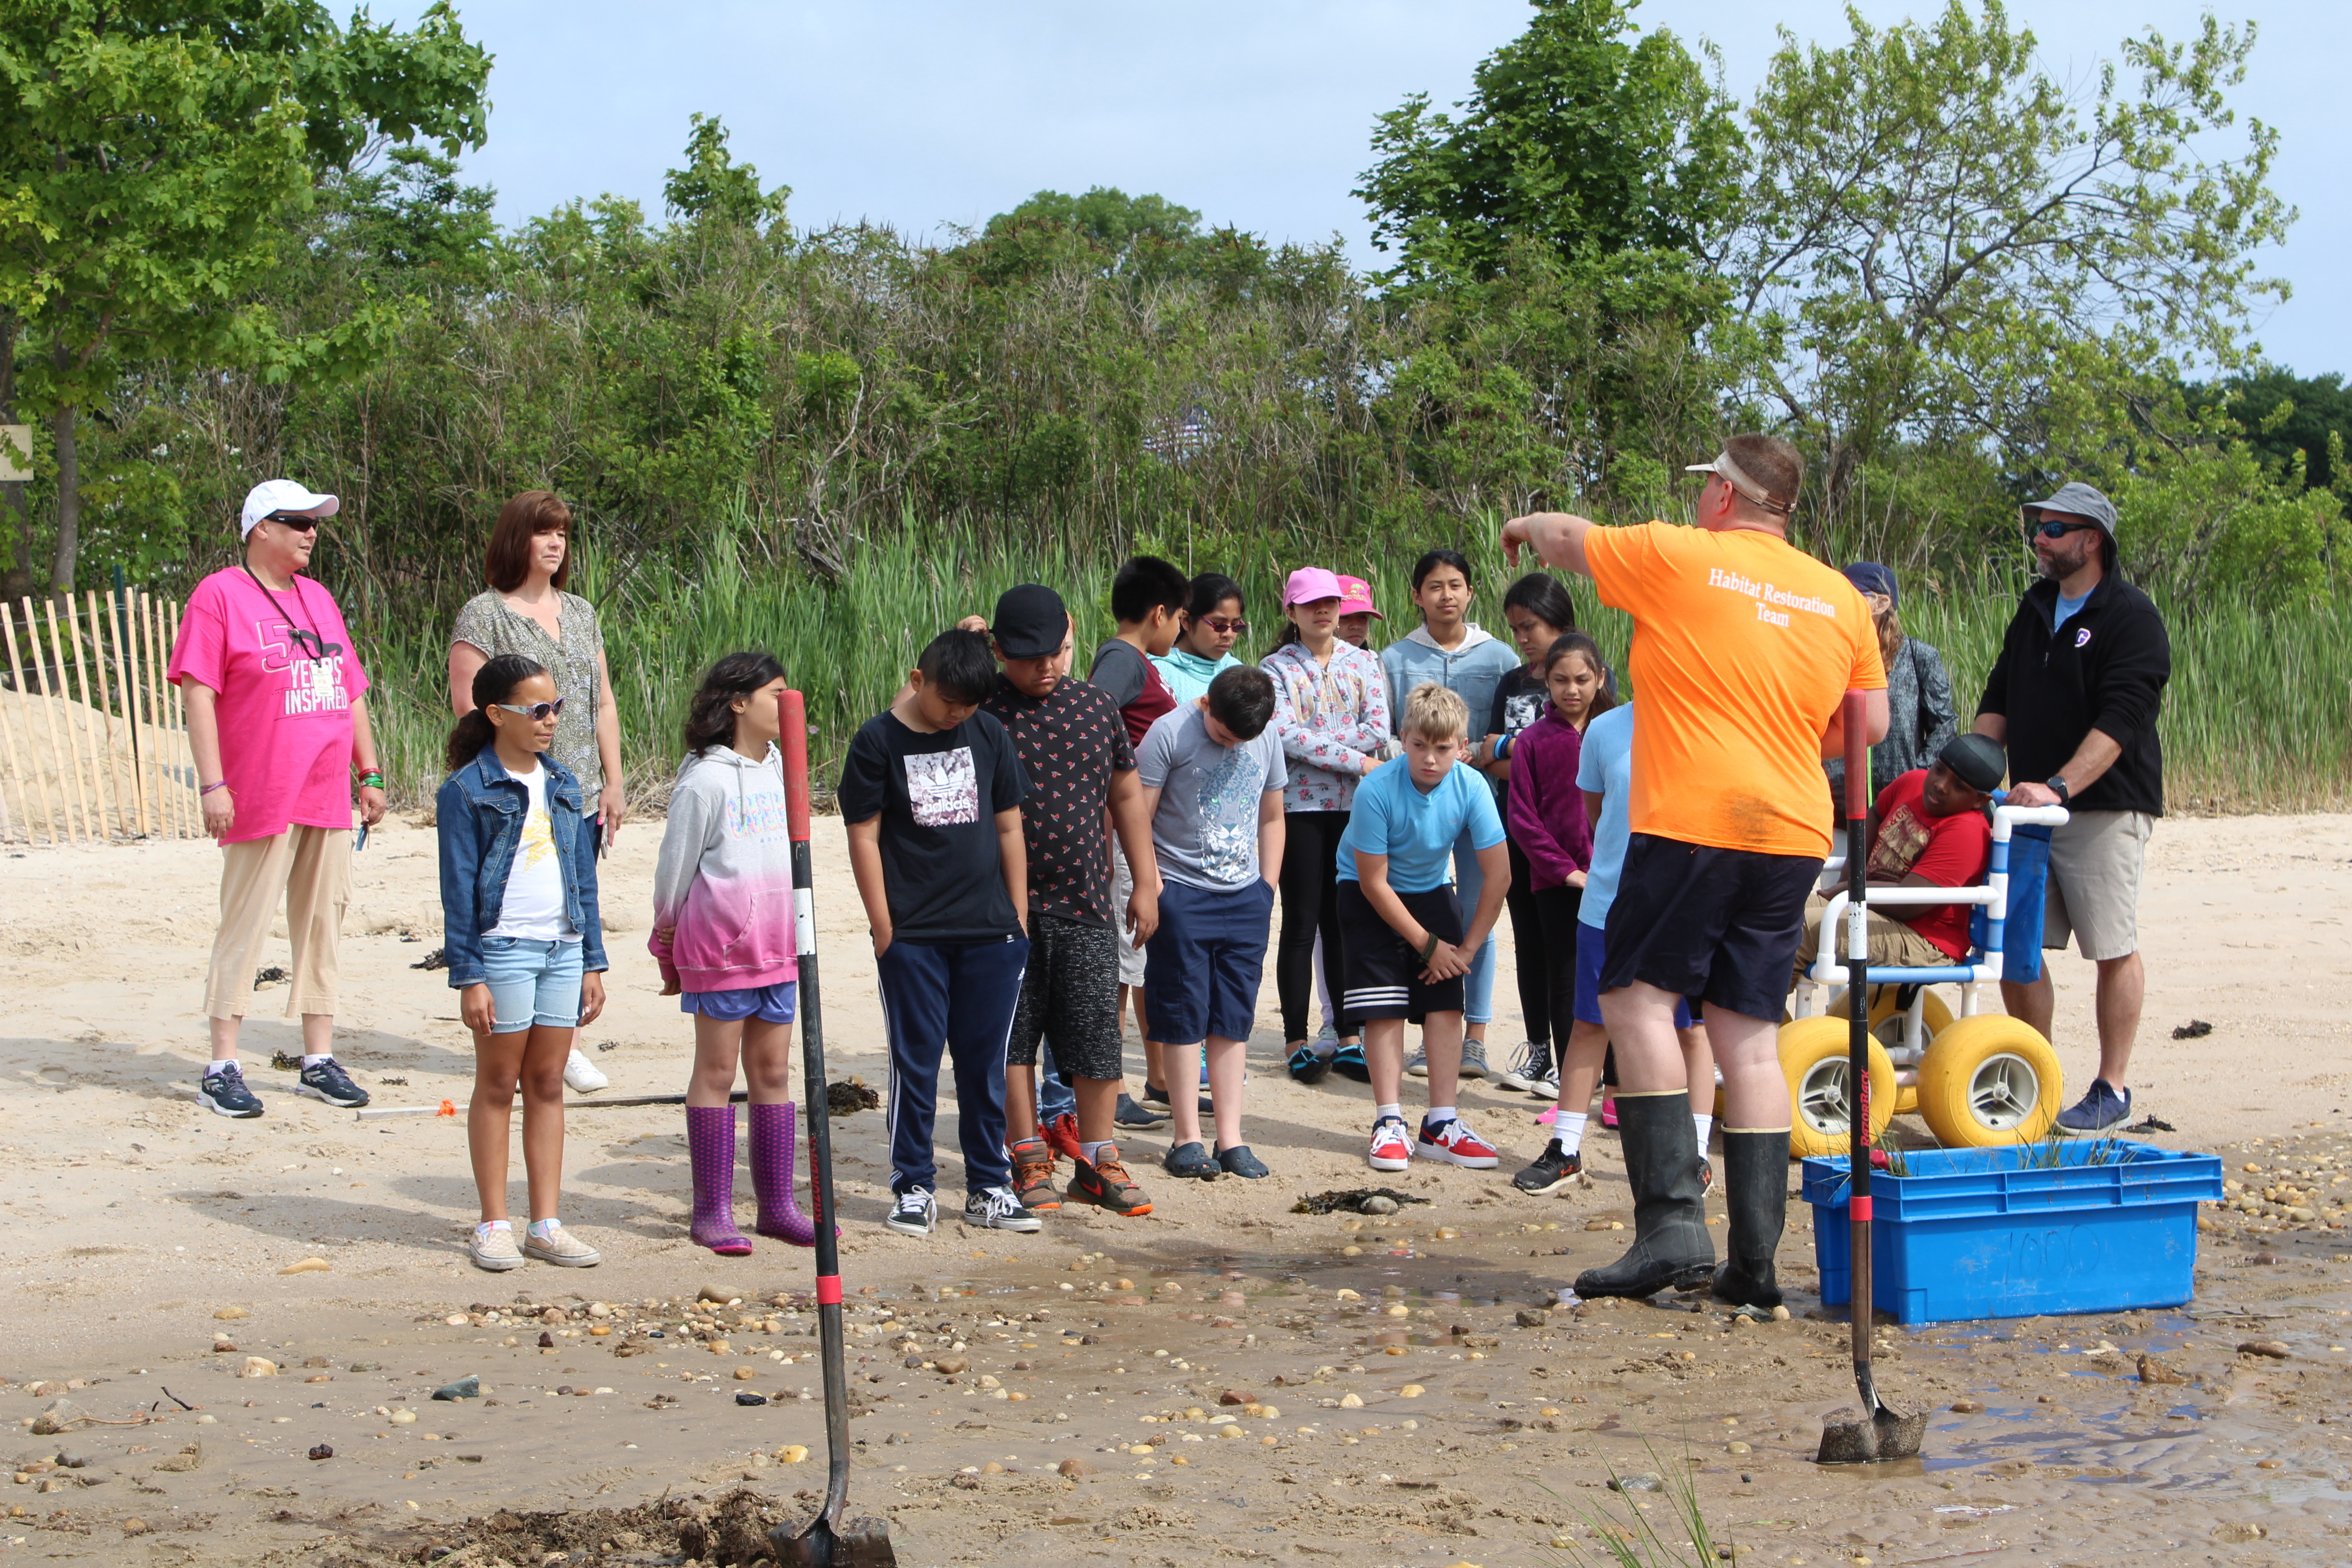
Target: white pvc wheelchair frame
[(1827, 970)]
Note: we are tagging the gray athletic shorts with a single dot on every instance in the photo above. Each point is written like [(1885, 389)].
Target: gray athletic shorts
[(1122, 887), (1069, 996), (2095, 861)]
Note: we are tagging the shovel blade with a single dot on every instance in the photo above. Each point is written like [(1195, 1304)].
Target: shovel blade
[(1882, 1436), (862, 1543)]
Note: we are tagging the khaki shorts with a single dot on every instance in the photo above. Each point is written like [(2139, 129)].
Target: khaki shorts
[(310, 870), (2096, 862), (1122, 887)]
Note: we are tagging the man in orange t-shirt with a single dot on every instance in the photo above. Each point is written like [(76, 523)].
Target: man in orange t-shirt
[(1744, 647)]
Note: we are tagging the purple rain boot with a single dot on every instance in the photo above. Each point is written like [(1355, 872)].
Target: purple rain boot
[(772, 1128), (710, 1141)]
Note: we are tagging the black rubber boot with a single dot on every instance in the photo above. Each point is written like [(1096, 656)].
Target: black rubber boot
[(1671, 1246), (1756, 1190)]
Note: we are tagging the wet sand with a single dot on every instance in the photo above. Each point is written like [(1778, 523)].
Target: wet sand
[(138, 1219)]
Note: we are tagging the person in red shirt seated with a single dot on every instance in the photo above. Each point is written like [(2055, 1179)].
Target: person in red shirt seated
[(1928, 830)]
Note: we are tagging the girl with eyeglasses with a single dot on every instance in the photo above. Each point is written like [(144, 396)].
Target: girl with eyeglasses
[(1203, 650), (278, 722), (527, 610), (524, 942)]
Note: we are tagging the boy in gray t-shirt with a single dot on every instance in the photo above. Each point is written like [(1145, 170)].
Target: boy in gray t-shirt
[(1212, 774)]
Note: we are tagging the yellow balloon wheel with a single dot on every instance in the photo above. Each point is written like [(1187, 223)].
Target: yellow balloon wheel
[(1886, 1024), (1814, 1056), (1989, 1082)]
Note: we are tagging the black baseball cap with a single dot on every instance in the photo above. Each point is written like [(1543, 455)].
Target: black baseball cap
[(1975, 760), (1030, 621)]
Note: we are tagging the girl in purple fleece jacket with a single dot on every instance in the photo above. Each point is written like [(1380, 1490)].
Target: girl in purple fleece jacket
[(724, 935), (1546, 813)]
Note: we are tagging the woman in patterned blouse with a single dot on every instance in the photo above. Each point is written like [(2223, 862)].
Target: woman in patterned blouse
[(525, 611)]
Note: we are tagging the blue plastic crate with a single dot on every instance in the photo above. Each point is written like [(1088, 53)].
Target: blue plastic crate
[(1977, 1233)]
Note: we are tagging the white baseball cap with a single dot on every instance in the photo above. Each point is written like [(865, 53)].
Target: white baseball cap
[(283, 495)]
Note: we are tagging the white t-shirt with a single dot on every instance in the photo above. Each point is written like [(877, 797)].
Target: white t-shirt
[(532, 909)]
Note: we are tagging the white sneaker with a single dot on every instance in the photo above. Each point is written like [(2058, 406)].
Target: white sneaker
[(494, 1249), (583, 1075), (559, 1246)]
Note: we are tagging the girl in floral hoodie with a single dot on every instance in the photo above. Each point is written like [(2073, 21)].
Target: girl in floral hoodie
[(723, 935), (1331, 710)]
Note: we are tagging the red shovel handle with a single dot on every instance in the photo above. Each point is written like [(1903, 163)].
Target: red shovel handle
[(792, 719)]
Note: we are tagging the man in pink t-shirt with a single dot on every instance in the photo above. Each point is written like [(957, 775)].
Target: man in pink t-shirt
[(277, 720)]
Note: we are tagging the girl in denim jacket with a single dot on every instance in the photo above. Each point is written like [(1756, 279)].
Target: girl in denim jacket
[(723, 935), (524, 943)]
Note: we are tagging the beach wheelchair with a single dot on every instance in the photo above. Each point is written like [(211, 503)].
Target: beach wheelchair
[(1979, 1079)]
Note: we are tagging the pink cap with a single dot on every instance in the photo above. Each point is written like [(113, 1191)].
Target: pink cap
[(1309, 583), (1356, 598)]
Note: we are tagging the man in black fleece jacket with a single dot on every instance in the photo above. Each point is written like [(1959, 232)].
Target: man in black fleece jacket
[(2074, 696)]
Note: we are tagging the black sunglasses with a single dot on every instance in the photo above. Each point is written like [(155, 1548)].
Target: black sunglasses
[(2056, 528), (293, 519)]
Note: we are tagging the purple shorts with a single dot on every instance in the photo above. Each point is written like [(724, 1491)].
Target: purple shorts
[(769, 1004)]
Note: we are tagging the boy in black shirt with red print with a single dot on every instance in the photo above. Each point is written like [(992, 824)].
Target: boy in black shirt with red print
[(931, 794), (1076, 751)]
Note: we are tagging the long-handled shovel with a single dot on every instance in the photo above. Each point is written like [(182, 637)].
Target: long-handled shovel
[(1880, 1434), (829, 1540)]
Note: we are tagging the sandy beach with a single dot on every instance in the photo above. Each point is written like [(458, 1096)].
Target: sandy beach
[(1406, 1392)]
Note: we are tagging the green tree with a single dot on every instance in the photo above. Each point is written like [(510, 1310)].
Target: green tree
[(158, 153), (1579, 135), (2291, 418), (1941, 243), (712, 187)]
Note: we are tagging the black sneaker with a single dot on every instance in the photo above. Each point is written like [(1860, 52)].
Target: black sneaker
[(1349, 1062), (913, 1212), (1554, 1169), (225, 1091), (1130, 1114), (1307, 1065), (1238, 1161), (1190, 1160), (329, 1082), (995, 1208)]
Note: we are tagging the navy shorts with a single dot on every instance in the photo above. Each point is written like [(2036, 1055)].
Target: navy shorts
[(1206, 960), (1592, 942), (1718, 925), (1383, 977), (769, 1004)]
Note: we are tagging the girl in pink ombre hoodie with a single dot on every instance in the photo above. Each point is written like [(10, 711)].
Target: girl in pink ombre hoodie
[(724, 935)]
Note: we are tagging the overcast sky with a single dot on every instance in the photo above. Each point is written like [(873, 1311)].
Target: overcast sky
[(921, 114)]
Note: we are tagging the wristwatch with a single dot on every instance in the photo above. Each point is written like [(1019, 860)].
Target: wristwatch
[(2056, 785)]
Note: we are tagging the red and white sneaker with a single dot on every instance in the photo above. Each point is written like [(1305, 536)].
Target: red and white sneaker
[(1452, 1141), (1392, 1147)]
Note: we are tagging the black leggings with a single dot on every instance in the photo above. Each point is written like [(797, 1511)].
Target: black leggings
[(1528, 948), (1556, 909), (1310, 903)]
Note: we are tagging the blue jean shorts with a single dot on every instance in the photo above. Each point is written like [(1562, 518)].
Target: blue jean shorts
[(769, 1004), (531, 982)]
